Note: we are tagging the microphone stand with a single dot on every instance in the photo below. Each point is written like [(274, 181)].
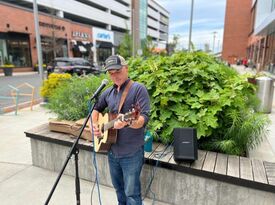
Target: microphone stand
[(74, 150)]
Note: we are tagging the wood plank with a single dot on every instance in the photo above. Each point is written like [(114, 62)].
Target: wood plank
[(37, 129), (259, 171), (221, 164), (246, 169), (167, 154), (233, 167), (210, 161), (184, 164), (270, 172), (147, 154), (199, 163)]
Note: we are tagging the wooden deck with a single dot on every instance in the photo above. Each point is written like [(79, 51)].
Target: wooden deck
[(236, 170)]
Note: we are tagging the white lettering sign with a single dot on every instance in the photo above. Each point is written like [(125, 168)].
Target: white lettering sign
[(103, 35), (80, 34)]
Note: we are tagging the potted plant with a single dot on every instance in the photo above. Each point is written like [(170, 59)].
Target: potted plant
[(8, 67)]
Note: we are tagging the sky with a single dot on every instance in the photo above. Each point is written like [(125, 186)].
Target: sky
[(208, 17)]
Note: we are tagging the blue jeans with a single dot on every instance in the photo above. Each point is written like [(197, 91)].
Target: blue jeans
[(125, 174)]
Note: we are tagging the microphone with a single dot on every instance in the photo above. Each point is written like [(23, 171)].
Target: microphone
[(100, 88)]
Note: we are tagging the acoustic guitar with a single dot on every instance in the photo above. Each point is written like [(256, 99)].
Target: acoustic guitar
[(109, 134)]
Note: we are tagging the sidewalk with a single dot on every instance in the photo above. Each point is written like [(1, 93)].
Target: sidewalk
[(266, 150), (20, 182), (20, 73)]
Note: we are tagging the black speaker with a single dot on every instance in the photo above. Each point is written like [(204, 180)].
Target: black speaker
[(185, 144)]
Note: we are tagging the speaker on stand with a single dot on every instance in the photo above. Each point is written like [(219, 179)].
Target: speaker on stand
[(185, 144)]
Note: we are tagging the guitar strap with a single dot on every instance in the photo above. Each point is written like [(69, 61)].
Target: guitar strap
[(124, 94)]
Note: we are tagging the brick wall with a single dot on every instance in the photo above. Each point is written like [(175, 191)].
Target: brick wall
[(237, 27)]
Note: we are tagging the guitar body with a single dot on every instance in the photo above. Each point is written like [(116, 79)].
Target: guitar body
[(109, 137), (106, 124)]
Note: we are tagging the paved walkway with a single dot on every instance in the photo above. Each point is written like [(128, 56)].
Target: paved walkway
[(266, 150), (20, 182)]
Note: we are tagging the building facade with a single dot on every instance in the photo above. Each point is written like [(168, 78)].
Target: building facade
[(92, 29), (255, 39), (59, 37), (158, 25), (261, 49)]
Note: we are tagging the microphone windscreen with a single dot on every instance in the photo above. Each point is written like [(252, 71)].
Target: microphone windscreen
[(105, 81)]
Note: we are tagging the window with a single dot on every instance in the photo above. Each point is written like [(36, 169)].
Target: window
[(15, 48)]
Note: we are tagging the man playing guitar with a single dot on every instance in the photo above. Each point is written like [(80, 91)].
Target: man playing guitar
[(126, 156)]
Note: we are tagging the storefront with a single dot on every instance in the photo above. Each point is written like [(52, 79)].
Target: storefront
[(81, 44), (103, 41), (59, 38)]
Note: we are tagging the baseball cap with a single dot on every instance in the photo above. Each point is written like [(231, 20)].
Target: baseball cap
[(114, 62)]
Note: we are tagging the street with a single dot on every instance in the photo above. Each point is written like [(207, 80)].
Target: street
[(31, 78)]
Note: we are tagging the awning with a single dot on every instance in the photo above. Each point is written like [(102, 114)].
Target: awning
[(74, 42), (103, 44), (82, 49)]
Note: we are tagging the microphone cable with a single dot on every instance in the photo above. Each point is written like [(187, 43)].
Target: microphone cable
[(96, 181), (159, 155)]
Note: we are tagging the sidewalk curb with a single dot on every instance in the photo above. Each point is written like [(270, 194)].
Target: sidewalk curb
[(21, 106)]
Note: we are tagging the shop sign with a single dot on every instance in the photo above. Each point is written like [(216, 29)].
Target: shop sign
[(103, 35), (51, 26), (80, 34)]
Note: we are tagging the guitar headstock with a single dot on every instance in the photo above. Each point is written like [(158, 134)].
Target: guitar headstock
[(133, 114)]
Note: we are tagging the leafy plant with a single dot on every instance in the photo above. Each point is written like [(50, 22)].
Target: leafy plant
[(70, 99), (54, 80), (195, 90)]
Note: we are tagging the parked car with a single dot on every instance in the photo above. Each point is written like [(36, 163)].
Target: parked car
[(77, 66)]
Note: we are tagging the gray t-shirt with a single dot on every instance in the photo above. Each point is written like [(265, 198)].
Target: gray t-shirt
[(129, 140)]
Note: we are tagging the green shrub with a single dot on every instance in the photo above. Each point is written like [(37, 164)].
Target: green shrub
[(70, 100), (195, 90)]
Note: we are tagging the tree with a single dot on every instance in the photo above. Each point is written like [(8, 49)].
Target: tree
[(147, 46), (125, 47), (172, 46), (52, 45)]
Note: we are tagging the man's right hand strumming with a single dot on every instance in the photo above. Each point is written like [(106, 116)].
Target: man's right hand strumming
[(96, 130)]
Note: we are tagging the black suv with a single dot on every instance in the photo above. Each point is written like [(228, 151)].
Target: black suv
[(77, 66)]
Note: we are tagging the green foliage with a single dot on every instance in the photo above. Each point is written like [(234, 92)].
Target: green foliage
[(195, 90), (70, 100)]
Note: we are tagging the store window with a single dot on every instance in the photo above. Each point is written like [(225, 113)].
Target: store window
[(15, 49), (19, 52), (53, 47), (104, 50), (3, 51), (103, 54)]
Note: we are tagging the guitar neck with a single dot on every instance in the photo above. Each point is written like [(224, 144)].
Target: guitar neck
[(111, 123)]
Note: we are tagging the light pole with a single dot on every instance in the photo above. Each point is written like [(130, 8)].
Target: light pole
[(38, 40), (190, 27), (132, 30), (214, 36)]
